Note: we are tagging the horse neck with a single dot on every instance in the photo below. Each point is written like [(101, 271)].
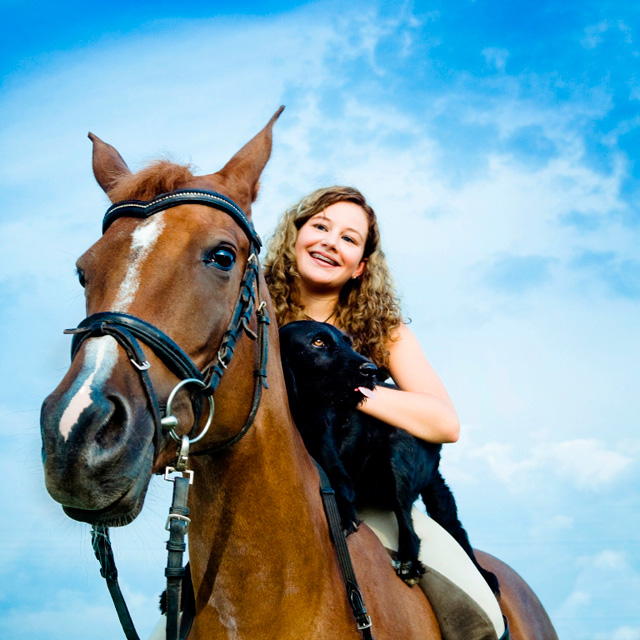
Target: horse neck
[(256, 507)]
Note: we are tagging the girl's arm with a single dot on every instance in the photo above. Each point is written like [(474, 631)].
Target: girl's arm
[(422, 405)]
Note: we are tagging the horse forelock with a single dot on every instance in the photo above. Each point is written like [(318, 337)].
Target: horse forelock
[(161, 176)]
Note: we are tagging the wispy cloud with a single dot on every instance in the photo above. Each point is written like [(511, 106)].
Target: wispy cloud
[(595, 582), (593, 35), (620, 276), (496, 57), (518, 274), (501, 168), (588, 463)]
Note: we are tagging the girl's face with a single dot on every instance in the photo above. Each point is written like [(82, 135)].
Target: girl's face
[(330, 246)]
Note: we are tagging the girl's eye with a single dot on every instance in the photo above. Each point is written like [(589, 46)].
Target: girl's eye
[(349, 239), (81, 279), (318, 343), (321, 227), (221, 258)]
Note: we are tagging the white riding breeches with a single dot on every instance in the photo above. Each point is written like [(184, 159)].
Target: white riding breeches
[(445, 560)]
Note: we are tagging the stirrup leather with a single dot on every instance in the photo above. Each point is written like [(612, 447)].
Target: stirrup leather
[(505, 635)]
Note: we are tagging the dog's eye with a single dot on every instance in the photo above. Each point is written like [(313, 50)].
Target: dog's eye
[(318, 343)]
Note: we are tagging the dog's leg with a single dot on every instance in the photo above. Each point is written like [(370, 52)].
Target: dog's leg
[(340, 481), (441, 506), (409, 568)]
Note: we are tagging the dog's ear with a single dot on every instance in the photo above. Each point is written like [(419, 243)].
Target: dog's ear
[(290, 381), (289, 378)]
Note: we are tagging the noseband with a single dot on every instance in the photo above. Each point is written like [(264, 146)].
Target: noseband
[(128, 330)]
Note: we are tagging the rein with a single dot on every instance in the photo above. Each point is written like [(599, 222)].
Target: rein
[(129, 331)]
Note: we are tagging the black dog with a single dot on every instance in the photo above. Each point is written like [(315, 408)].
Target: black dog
[(369, 463)]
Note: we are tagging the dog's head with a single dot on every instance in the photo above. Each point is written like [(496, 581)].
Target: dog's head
[(320, 365)]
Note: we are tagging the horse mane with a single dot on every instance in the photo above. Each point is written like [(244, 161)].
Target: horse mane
[(161, 176)]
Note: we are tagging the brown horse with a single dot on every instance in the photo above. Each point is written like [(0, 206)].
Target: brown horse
[(262, 562)]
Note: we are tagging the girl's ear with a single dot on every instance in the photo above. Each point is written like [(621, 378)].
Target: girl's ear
[(360, 269)]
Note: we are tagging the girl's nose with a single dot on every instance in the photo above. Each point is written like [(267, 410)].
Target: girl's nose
[(329, 241)]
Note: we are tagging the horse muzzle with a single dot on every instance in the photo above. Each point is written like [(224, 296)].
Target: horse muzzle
[(99, 467)]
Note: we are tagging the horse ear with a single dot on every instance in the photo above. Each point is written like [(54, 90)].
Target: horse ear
[(242, 173), (108, 164)]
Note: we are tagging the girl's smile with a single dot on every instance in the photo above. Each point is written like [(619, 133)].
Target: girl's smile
[(330, 246)]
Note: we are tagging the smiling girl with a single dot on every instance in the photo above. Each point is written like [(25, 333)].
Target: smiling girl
[(324, 262)]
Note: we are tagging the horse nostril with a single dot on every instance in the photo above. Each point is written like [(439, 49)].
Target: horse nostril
[(114, 427), (368, 369)]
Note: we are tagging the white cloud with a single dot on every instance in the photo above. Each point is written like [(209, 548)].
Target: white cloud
[(593, 34), (554, 527), (496, 57), (592, 609), (621, 633), (589, 465)]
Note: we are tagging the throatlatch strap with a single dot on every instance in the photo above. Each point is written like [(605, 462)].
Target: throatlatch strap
[(344, 559)]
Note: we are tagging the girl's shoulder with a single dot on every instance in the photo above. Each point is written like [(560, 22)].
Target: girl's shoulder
[(401, 334), (409, 366)]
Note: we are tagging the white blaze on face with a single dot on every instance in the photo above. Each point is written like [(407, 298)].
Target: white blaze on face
[(101, 354), (100, 357), (142, 242)]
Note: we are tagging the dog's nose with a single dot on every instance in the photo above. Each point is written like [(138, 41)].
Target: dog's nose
[(368, 369)]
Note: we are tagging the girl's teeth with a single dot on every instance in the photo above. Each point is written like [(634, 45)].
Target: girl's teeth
[(323, 258)]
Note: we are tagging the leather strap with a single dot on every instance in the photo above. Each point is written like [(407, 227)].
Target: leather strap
[(344, 559), (178, 523), (144, 209), (176, 360), (104, 553)]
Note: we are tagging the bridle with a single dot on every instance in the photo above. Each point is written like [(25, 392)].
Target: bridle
[(129, 331)]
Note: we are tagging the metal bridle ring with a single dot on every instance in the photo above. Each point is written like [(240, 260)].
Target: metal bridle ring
[(169, 422)]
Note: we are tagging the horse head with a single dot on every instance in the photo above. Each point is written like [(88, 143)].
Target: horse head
[(161, 292)]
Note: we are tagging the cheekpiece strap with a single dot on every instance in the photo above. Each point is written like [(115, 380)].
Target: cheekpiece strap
[(145, 209)]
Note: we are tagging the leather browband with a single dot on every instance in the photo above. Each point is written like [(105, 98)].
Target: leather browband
[(143, 209)]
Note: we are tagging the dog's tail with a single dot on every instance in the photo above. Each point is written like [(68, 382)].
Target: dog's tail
[(441, 506)]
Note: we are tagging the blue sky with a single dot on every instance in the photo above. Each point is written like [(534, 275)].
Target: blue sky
[(498, 142)]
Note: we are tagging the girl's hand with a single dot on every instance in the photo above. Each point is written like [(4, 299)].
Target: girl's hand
[(421, 405)]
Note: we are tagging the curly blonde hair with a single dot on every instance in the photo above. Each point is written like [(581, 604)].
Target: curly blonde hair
[(368, 308)]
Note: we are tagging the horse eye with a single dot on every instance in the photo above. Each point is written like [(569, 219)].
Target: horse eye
[(222, 259), (318, 343), (81, 278)]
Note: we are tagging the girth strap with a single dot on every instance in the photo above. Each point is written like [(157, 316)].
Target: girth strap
[(344, 559)]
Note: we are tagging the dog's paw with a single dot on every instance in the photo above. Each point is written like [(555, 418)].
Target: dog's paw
[(492, 580), (410, 570), (350, 527)]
